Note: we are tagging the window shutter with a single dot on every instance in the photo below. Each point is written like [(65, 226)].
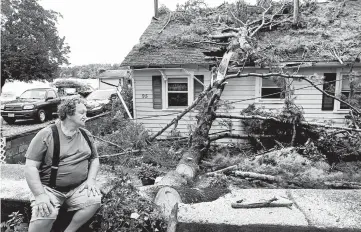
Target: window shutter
[(328, 87), (157, 92), (198, 88)]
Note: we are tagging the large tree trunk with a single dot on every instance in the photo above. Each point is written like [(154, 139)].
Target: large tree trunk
[(187, 168), (168, 196)]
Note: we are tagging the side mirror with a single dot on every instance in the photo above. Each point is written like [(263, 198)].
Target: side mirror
[(17, 97)]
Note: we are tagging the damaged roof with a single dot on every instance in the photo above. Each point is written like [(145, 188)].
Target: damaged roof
[(328, 31), (141, 56)]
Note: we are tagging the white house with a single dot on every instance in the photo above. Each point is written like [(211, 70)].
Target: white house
[(163, 83), (109, 79)]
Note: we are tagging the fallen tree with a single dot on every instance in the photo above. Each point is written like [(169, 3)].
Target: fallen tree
[(237, 35)]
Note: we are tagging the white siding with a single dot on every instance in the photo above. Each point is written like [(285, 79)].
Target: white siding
[(155, 119), (110, 81), (241, 90)]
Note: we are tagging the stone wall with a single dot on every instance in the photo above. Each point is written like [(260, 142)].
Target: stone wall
[(17, 144)]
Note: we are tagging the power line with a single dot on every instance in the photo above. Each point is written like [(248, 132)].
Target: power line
[(305, 87)]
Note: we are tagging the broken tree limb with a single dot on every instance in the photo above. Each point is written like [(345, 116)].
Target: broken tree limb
[(294, 132), (263, 21), (237, 19), (328, 127), (211, 42), (176, 119), (170, 16), (343, 185), (118, 154), (254, 175), (223, 36), (337, 56), (274, 202), (222, 170), (194, 77), (302, 77), (106, 141), (303, 123), (235, 136)]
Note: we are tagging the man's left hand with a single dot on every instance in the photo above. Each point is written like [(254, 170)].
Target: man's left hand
[(91, 187)]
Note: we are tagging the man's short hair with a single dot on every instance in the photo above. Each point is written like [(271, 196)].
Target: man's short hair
[(68, 106)]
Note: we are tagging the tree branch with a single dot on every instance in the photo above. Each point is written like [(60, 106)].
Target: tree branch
[(294, 132), (170, 16), (223, 36), (106, 141), (237, 19), (222, 170), (236, 136), (263, 21), (267, 75), (303, 123), (335, 55), (211, 42), (176, 119)]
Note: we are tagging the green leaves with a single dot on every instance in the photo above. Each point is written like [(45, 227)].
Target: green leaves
[(31, 48), (125, 210)]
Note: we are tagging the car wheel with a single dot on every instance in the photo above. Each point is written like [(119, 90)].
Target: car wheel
[(41, 116), (9, 120)]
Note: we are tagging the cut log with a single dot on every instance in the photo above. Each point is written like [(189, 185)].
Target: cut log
[(167, 198), (343, 185), (173, 219), (254, 175), (222, 170)]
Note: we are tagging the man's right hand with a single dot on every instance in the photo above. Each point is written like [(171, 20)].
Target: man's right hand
[(43, 205)]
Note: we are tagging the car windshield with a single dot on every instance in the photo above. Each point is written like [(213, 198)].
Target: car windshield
[(100, 95), (33, 94)]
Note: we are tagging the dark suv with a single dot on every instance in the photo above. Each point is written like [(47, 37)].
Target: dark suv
[(39, 104)]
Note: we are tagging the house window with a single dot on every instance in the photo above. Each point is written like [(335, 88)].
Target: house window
[(177, 92), (328, 87), (346, 91), (270, 90)]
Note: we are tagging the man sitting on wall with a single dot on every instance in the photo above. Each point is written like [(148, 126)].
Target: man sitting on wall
[(62, 162)]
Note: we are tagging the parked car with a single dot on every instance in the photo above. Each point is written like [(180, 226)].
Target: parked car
[(37, 103), (99, 101)]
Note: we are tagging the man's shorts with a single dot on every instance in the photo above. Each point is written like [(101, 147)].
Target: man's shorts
[(74, 200)]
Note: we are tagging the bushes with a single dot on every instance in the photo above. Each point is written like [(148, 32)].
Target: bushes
[(282, 131), (315, 143), (148, 173), (294, 169), (125, 210)]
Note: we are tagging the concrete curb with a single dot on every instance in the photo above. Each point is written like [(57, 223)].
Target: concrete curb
[(313, 210)]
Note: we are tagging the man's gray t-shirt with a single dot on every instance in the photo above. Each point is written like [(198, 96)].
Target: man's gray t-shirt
[(75, 155)]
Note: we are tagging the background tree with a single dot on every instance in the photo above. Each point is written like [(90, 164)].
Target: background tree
[(86, 71), (31, 48)]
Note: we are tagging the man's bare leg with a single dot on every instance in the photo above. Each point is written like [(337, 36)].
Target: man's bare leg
[(41, 225), (81, 217)]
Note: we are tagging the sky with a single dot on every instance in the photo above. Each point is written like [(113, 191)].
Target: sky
[(104, 31)]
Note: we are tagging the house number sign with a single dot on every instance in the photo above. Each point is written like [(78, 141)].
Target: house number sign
[(144, 95)]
